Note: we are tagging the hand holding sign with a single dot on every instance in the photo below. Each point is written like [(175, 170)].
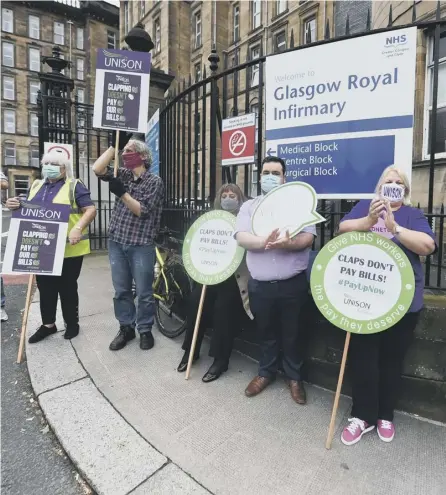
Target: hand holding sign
[(289, 208)]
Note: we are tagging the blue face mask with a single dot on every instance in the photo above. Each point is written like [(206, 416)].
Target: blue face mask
[(50, 171), (269, 182)]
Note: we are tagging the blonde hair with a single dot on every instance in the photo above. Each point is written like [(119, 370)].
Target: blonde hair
[(58, 158), (228, 188), (403, 177)]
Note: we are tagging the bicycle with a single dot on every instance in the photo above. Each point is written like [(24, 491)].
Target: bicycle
[(171, 286)]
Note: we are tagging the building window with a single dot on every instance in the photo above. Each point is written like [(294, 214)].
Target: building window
[(197, 43), (34, 87), (80, 69), (21, 185), (80, 95), (59, 33), (34, 27), (9, 121), (440, 137), (80, 38), (8, 54), (254, 79), (33, 124), (142, 8), (35, 157), (236, 22), (197, 72), (34, 59), (111, 39), (309, 31), (126, 17), (256, 13), (157, 32), (8, 88), (281, 6), (10, 157), (280, 42), (7, 20)]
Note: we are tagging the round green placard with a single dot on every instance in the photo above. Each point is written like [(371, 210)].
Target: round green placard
[(362, 282), (210, 252)]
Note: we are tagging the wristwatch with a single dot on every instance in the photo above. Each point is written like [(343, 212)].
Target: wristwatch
[(398, 230)]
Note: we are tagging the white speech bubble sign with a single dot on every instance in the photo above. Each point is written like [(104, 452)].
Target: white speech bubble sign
[(289, 207), (392, 192)]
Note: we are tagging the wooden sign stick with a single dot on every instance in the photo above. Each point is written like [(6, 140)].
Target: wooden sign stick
[(194, 338), (25, 319), (338, 393), (116, 154)]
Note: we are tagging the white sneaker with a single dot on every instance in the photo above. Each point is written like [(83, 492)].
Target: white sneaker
[(4, 315)]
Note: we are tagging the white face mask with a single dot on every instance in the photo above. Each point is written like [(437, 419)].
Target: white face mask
[(269, 182), (392, 192)]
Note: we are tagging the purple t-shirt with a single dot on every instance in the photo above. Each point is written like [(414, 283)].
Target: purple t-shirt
[(409, 218), (49, 191)]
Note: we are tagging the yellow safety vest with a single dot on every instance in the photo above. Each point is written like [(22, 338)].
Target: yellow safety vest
[(66, 197)]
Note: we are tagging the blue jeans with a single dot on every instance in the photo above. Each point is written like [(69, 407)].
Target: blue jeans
[(3, 294), (130, 263)]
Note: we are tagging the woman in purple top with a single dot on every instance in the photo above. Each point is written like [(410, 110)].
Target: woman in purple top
[(376, 360)]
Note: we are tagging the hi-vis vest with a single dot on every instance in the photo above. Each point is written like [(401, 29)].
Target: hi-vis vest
[(66, 197)]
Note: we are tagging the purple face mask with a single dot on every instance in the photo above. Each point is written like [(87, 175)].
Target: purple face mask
[(132, 160)]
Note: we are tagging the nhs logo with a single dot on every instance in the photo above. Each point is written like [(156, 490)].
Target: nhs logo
[(393, 41)]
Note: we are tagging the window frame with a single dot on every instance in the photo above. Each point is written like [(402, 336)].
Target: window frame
[(235, 25), (83, 95), (78, 59), (57, 23), (31, 116), (33, 148), (427, 96), (5, 20), (33, 49), (254, 69), (12, 45), (14, 113), (276, 46), (157, 34), (256, 14), (280, 11), (20, 178), (31, 82), (37, 18), (80, 30), (306, 22), (12, 78), (112, 33), (198, 33), (9, 145)]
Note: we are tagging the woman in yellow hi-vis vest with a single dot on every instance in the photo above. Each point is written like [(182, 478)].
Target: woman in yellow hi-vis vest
[(59, 186)]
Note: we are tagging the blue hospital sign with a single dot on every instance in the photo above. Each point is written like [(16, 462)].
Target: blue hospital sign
[(338, 125)]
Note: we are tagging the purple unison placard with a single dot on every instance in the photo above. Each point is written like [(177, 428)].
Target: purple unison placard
[(120, 103), (123, 61)]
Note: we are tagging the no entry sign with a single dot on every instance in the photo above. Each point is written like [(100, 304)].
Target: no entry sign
[(238, 140)]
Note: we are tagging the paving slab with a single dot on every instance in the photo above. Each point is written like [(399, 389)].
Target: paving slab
[(106, 449), (170, 480)]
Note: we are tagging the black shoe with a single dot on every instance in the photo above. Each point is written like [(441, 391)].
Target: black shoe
[(183, 363), (146, 341), (218, 367), (71, 331), (42, 333), (125, 334)]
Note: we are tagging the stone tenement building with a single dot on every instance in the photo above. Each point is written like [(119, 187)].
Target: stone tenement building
[(30, 30), (184, 32)]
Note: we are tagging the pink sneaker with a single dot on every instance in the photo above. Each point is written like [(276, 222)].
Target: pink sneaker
[(386, 430), (354, 431)]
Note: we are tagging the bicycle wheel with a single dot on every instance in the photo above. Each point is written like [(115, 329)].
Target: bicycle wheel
[(171, 312)]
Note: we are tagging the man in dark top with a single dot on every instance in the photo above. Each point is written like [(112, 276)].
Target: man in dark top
[(133, 227)]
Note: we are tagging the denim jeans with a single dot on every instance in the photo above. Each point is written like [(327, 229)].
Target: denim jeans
[(130, 263), (3, 294)]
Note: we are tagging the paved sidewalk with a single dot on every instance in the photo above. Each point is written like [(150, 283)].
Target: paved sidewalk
[(132, 424)]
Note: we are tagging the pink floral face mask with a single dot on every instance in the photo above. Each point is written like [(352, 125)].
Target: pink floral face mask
[(132, 160)]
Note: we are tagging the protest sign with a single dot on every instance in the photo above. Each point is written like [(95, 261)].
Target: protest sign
[(37, 239), (362, 283), (153, 140), (121, 99), (210, 255), (291, 207), (339, 125), (238, 140)]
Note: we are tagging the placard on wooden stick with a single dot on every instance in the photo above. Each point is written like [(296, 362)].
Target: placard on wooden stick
[(210, 255), (362, 283)]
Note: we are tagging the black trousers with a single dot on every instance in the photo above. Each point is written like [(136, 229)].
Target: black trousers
[(375, 365), (65, 286), (276, 307), (223, 312)]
